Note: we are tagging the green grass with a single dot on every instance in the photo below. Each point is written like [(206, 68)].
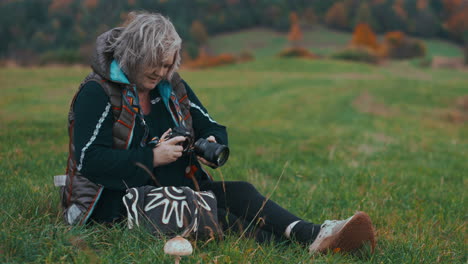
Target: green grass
[(436, 47), (394, 156)]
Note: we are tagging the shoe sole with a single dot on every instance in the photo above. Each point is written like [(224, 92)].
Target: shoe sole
[(352, 236)]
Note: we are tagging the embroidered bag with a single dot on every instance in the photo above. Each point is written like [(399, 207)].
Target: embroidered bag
[(173, 210)]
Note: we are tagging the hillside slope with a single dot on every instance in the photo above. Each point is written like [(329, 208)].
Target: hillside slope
[(321, 40)]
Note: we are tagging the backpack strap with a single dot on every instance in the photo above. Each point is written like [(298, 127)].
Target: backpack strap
[(79, 195), (124, 118), (71, 166), (180, 91)]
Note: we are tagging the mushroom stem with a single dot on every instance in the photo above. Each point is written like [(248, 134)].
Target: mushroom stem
[(177, 259)]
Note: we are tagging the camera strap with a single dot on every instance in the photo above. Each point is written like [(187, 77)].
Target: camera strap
[(176, 110), (190, 171), (171, 101), (131, 100)]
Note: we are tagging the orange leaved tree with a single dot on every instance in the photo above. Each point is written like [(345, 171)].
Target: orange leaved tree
[(364, 36), (295, 33), (457, 22)]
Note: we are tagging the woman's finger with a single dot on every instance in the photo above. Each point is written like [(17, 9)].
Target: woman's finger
[(178, 149), (176, 140), (165, 134)]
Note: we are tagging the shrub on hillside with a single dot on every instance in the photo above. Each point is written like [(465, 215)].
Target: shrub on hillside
[(365, 37), (360, 54), (395, 37), (246, 55), (398, 46), (207, 61), (297, 52)]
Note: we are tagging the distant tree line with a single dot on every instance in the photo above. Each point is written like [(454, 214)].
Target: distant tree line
[(424, 18), (67, 28)]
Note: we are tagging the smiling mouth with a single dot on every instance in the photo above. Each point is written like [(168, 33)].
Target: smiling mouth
[(153, 78)]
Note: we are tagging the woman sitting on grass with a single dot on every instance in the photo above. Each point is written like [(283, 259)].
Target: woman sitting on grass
[(140, 61)]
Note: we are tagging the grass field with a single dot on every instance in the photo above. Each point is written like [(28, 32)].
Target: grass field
[(337, 137)]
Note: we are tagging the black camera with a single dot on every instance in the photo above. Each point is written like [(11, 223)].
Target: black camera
[(181, 131), (212, 152)]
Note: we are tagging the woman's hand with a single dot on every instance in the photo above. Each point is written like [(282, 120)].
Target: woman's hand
[(167, 151), (204, 161)]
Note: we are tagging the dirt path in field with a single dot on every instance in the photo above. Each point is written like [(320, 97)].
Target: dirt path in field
[(366, 103)]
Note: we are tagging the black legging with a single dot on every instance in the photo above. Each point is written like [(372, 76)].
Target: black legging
[(241, 206)]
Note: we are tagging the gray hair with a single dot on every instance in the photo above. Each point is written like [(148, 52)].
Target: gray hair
[(146, 41)]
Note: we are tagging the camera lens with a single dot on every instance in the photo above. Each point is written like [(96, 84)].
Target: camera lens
[(223, 156), (213, 152)]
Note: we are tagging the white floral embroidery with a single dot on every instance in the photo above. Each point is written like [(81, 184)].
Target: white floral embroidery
[(203, 112), (132, 212), (169, 205), (93, 137)]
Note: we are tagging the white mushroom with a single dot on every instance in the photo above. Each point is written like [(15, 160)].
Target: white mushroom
[(178, 246)]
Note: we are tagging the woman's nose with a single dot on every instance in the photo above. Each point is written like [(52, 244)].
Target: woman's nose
[(161, 71)]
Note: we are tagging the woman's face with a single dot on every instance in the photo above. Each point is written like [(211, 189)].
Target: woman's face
[(151, 76)]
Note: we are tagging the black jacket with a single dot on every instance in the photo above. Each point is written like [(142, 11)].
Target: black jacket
[(115, 169)]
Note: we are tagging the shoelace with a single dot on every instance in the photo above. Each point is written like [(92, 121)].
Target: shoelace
[(330, 222), (327, 231)]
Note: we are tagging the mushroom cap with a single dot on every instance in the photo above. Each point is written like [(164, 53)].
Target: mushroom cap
[(178, 246)]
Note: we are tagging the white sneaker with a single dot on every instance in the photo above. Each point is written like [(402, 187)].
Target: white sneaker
[(344, 235)]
